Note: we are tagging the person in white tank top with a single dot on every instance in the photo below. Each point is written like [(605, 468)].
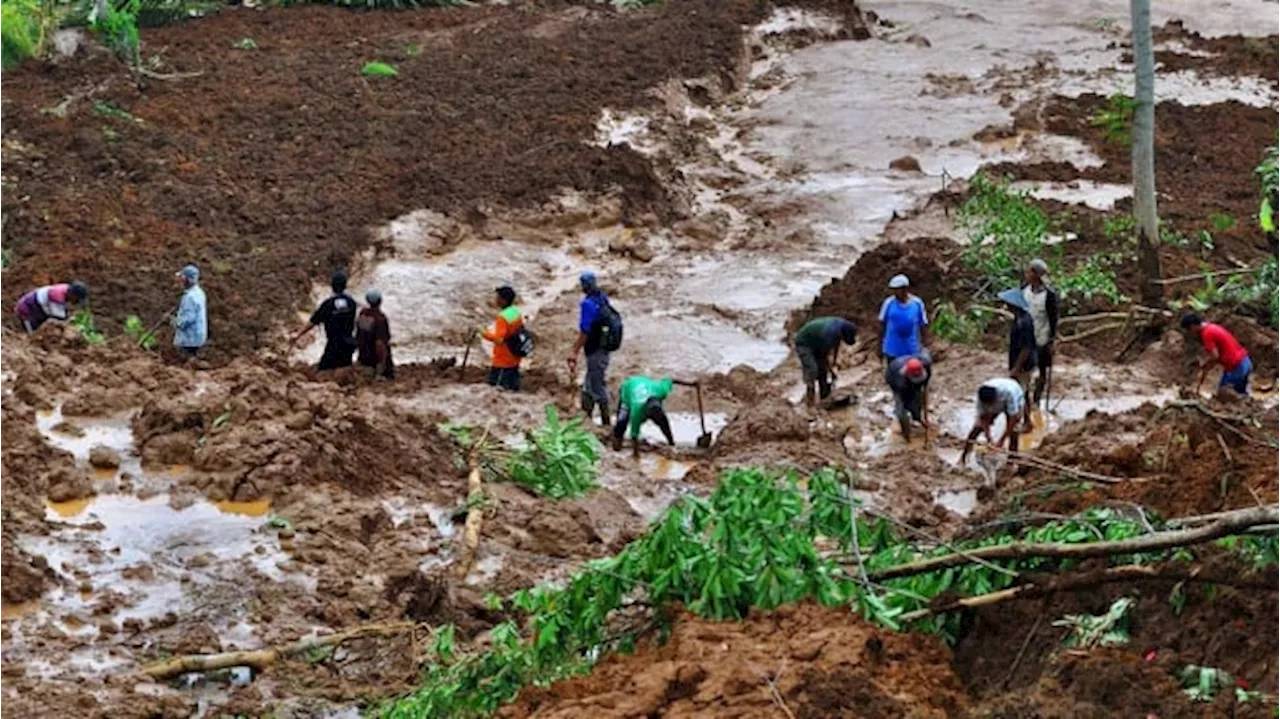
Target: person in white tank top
[(1042, 302)]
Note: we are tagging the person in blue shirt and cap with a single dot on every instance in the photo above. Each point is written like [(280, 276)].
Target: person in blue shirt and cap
[(904, 323), (594, 318), (1022, 346), (191, 323)]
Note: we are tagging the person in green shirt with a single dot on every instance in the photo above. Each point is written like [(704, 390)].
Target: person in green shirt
[(818, 347), (640, 400)]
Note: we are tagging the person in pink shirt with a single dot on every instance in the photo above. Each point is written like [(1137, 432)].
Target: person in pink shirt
[(1222, 348), (49, 302)]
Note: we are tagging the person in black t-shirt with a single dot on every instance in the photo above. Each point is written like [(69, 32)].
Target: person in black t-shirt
[(338, 315)]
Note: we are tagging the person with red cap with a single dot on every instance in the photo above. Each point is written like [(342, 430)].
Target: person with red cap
[(908, 377)]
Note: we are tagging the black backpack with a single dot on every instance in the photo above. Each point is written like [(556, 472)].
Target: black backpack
[(520, 342), (609, 326)]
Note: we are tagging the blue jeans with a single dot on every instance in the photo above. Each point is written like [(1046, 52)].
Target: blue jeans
[(1238, 378)]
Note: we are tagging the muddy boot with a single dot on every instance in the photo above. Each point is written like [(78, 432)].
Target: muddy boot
[(588, 403), (604, 414)]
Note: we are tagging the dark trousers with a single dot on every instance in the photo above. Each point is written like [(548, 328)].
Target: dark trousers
[(337, 353), (507, 378)]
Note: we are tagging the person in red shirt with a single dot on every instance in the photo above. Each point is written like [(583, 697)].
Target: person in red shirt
[(1224, 349)]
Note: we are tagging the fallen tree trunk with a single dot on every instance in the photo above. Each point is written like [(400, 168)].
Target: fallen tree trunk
[(475, 513), (1129, 572), (1231, 523), (260, 659)]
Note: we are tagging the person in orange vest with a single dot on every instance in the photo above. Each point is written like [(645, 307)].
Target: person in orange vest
[(504, 370)]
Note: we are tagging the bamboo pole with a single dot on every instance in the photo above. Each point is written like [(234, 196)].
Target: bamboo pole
[(475, 514), (260, 659)]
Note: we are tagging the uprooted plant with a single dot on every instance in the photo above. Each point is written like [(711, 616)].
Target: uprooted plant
[(558, 459), (764, 539)]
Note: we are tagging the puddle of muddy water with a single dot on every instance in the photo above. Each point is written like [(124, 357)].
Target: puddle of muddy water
[(142, 559), (112, 432)]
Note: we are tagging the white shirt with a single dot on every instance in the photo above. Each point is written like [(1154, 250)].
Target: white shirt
[(1009, 397), (1039, 312)]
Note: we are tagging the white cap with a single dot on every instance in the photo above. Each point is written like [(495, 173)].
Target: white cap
[(898, 282)]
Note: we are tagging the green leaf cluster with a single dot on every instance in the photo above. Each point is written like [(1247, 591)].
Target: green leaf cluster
[(1105, 630), (754, 543), (117, 28), (558, 459), (82, 320), (137, 331), (1269, 176), (1116, 119)]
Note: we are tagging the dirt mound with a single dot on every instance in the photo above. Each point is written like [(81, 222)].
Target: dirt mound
[(257, 436), (1181, 461), (1224, 627), (772, 420), (821, 663), (1226, 56), (858, 295), (25, 577)]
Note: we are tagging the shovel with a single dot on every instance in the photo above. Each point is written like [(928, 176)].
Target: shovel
[(466, 355), (704, 441), (156, 327)]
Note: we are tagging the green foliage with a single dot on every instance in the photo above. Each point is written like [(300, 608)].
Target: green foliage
[(1202, 684), (1006, 231), (245, 43), (137, 331), (1091, 279), (1116, 119), (752, 543), (1119, 226), (276, 521), (1267, 173), (1106, 630), (1256, 294), (106, 109), (117, 28), (378, 69), (413, 50), (22, 31), (954, 326), (1221, 222), (82, 320), (559, 459)]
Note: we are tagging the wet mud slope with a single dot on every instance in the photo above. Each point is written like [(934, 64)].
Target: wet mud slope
[(108, 178)]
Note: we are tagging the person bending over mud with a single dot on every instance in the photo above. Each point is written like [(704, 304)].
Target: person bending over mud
[(1221, 347), (54, 302), (818, 347), (997, 396), (373, 338), (338, 315), (908, 377), (640, 400)]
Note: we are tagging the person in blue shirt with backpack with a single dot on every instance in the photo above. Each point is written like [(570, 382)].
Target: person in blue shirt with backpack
[(599, 334)]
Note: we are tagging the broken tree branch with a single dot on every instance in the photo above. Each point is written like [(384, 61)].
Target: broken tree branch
[(1230, 523), (260, 659), (1089, 333), (1202, 275), (475, 513), (1042, 463), (1128, 572)]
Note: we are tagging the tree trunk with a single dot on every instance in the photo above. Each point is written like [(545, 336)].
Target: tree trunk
[(1144, 156)]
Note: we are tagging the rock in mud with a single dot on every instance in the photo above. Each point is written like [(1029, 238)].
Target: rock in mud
[(68, 484), (71, 429), (298, 421), (24, 576), (104, 457), (906, 163)]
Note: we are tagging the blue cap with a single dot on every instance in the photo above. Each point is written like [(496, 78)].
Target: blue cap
[(190, 273), (588, 280), (373, 297)]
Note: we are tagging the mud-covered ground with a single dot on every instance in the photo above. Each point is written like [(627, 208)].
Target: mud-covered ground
[(727, 168)]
